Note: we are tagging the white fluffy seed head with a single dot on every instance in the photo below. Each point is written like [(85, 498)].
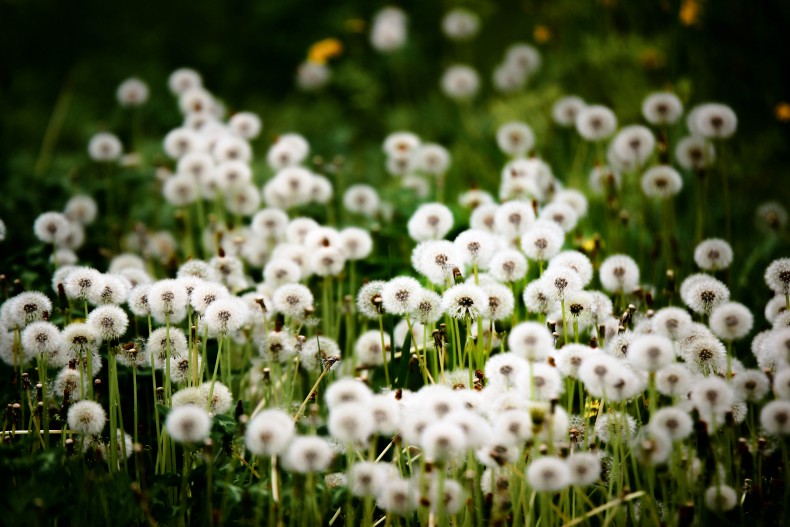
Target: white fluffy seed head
[(226, 315), (567, 109), (713, 254), (188, 424), (595, 123), (515, 138), (105, 147), (539, 298), (775, 417), (362, 199), (672, 421), (184, 79), (731, 321), (548, 474), (530, 340), (712, 395), (52, 227), (720, 498), (168, 301), (750, 385), (351, 423), (661, 181), (651, 352), (308, 454), (662, 108), (460, 24), (543, 240), (694, 153), (356, 243), (512, 219), (398, 497), (431, 221), (634, 144), (705, 294), (777, 276), (619, 274), (347, 391), (87, 418), (132, 92), (500, 301), (460, 82), (464, 300), (292, 300), (508, 265), (713, 121), (672, 322), (44, 338), (561, 281), (109, 321), (246, 125), (584, 467), (399, 295), (674, 380), (163, 343), (442, 441)]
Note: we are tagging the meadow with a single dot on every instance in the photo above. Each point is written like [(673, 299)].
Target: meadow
[(490, 263)]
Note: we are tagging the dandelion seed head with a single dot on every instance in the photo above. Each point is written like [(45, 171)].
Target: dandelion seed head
[(87, 418), (543, 240), (104, 147), (483, 217), (167, 300), (460, 82), (662, 108), (431, 221), (44, 338), (777, 276), (561, 281), (720, 498), (163, 343), (771, 216), (398, 497), (109, 321), (651, 352), (388, 30), (731, 321), (595, 122), (362, 199), (619, 274), (661, 181), (530, 340), (515, 138), (634, 144), (399, 295), (508, 265), (246, 125), (567, 109), (188, 424), (584, 468), (512, 219), (68, 381), (713, 121), (548, 474), (292, 300), (52, 227)]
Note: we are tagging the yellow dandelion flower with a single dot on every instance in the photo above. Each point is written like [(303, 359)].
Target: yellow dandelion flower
[(689, 12), (324, 50), (782, 112), (542, 34)]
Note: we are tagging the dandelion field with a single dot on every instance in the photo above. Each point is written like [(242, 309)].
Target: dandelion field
[(490, 263)]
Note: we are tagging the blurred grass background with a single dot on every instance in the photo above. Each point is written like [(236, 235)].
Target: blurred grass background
[(59, 56)]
